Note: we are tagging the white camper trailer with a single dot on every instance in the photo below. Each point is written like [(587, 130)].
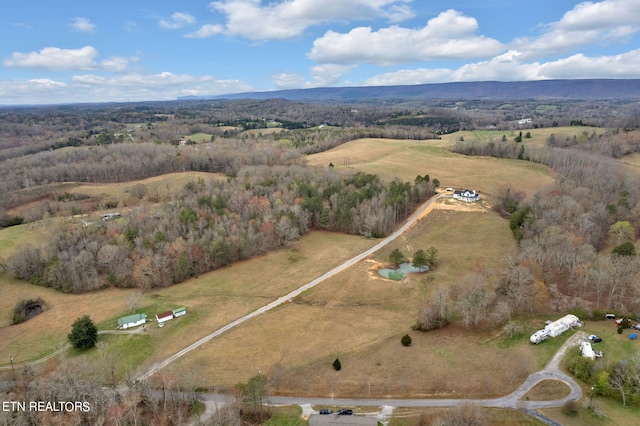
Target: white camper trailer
[(539, 336), (556, 328)]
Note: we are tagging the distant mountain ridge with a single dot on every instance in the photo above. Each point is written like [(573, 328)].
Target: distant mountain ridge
[(552, 89)]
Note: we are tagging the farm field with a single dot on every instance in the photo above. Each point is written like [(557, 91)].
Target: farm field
[(406, 159), (212, 300), (632, 160), (359, 318), (200, 137), (356, 316), (538, 136), (114, 193), (494, 416)]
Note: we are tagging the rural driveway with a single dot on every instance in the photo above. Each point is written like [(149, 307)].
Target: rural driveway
[(63, 348), (513, 400), (410, 221)]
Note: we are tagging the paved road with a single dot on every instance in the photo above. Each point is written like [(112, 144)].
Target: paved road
[(410, 221), (513, 400)]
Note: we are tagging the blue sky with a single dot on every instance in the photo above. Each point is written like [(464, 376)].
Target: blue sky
[(98, 51)]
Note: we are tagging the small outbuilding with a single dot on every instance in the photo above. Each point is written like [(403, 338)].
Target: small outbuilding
[(164, 317), (179, 312), (132, 321)]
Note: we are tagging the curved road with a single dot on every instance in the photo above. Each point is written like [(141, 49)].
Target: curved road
[(410, 221), (513, 400)]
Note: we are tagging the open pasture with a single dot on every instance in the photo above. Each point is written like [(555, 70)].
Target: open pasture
[(212, 300), (359, 318), (159, 185), (355, 316), (406, 159), (538, 137), (200, 137)]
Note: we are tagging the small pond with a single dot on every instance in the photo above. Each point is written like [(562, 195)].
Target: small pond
[(398, 274)]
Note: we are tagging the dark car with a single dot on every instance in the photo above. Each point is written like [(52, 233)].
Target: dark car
[(325, 411), (345, 412)]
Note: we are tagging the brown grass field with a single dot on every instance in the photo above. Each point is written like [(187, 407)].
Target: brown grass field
[(632, 160), (213, 299), (614, 414), (495, 416), (548, 390), (406, 159), (355, 316), (360, 317), (158, 186)]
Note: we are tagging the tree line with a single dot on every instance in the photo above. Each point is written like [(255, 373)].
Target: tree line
[(211, 223), (566, 231)]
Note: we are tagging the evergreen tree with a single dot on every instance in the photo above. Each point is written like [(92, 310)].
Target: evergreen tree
[(420, 259), (396, 257), (337, 365), (406, 340), (84, 333)]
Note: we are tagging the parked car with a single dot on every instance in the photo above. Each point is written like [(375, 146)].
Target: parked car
[(325, 411), (345, 412)]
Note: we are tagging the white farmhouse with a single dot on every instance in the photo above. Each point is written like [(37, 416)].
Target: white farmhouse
[(132, 321), (468, 196)]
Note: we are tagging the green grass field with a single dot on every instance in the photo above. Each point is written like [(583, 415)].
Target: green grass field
[(538, 136), (200, 137)]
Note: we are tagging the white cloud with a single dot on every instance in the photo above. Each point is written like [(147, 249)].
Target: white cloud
[(290, 18), (55, 58), (505, 67), (605, 14), (117, 63), (321, 76), (36, 91), (414, 76), (450, 35), (510, 67), (289, 80), (328, 74), (626, 65), (588, 23), (83, 25), (207, 30), (123, 88), (177, 21)]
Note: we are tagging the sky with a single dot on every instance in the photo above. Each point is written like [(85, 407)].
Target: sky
[(70, 51)]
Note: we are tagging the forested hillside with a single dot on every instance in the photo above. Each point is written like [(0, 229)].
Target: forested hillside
[(577, 235)]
